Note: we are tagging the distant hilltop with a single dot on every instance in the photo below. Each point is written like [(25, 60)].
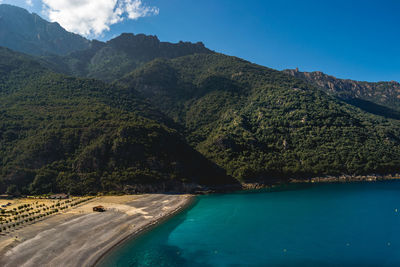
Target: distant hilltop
[(30, 34)]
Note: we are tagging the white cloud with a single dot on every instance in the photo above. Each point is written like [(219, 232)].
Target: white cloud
[(92, 17), (29, 2)]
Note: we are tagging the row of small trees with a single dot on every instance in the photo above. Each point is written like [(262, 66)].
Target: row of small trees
[(28, 213)]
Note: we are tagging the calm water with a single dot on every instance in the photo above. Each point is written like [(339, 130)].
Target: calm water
[(318, 225)]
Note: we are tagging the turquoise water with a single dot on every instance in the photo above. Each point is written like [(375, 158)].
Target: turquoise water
[(313, 225)]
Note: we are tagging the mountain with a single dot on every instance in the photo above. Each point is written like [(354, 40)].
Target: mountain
[(380, 98), (71, 54), (264, 125), (147, 115), (30, 34), (64, 134), (119, 56)]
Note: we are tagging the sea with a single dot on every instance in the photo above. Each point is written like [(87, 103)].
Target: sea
[(347, 224)]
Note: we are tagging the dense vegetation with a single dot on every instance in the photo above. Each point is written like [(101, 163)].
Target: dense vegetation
[(62, 134), (260, 124)]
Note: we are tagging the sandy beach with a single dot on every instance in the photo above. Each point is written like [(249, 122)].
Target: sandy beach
[(79, 237)]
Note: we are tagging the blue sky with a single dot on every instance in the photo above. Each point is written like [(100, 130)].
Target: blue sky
[(348, 39)]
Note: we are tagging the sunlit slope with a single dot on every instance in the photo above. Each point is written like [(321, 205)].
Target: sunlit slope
[(261, 124)]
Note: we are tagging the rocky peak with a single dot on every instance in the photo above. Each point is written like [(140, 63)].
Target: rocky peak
[(29, 33), (131, 40), (148, 47)]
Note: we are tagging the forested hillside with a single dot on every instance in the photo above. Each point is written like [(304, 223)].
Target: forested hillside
[(63, 134), (264, 125)]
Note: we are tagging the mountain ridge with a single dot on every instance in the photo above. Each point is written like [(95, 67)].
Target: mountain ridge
[(108, 61), (29, 33)]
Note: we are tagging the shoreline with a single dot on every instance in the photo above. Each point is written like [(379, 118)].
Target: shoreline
[(82, 237), (145, 229), (245, 187), (85, 238), (322, 180)]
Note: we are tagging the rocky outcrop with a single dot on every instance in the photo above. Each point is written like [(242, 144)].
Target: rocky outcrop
[(150, 47), (381, 93)]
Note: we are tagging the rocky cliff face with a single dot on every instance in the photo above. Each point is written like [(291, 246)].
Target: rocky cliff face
[(149, 46), (381, 93), (29, 33)]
